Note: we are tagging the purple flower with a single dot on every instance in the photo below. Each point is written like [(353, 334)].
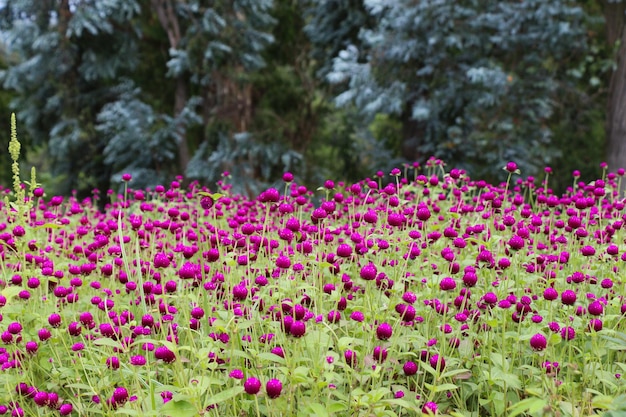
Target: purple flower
[(359, 316), (447, 284), (236, 374), (538, 342), (113, 362), (516, 242), (437, 362), (568, 297), (595, 325), (430, 408), (384, 331), (588, 250), (369, 272), (350, 357), (409, 368), (138, 360), (568, 333), (298, 328), (120, 395), (252, 386), (550, 294), (511, 167), (333, 316), (595, 308), (380, 354), (273, 387), (163, 353)]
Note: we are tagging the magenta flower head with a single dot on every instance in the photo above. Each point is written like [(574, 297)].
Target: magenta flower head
[(350, 357), (66, 409), (568, 333), (369, 272), (380, 354), (538, 342), (236, 374), (430, 408), (273, 387), (126, 177), (595, 325), (409, 368), (595, 308), (516, 242), (120, 395), (384, 331), (206, 202), (113, 362), (437, 362), (550, 294), (568, 297), (511, 167), (588, 250), (252, 386), (288, 177), (447, 284), (298, 328), (163, 353)]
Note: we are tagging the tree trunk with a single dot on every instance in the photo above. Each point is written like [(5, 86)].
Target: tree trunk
[(169, 21), (616, 109)]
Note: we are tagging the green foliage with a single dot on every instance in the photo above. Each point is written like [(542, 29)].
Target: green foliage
[(68, 60), (472, 82), (101, 88)]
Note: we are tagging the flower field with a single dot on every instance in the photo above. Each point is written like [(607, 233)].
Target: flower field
[(418, 291)]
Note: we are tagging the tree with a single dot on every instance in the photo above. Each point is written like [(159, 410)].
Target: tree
[(86, 85), (472, 82), (615, 18), (70, 54)]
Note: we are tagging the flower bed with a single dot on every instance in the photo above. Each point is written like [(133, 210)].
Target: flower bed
[(432, 294)]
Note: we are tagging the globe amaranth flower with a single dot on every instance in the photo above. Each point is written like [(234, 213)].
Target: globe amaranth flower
[(568, 297), (595, 325), (273, 387), (359, 316), (447, 284), (538, 342), (384, 331), (252, 386), (430, 408), (409, 368), (165, 354), (516, 242), (380, 354), (298, 328), (568, 333), (595, 308), (350, 357), (369, 272), (437, 362)]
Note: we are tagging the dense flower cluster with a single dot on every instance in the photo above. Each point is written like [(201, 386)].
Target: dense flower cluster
[(429, 279)]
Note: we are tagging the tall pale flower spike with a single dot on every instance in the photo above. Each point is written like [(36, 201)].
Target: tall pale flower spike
[(14, 151)]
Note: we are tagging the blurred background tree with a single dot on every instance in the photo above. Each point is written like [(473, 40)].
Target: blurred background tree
[(326, 88)]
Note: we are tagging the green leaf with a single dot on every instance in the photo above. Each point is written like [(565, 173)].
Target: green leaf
[(224, 395), (178, 408), (271, 357), (528, 405), (445, 387), (105, 341), (48, 226), (318, 410), (10, 292)]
